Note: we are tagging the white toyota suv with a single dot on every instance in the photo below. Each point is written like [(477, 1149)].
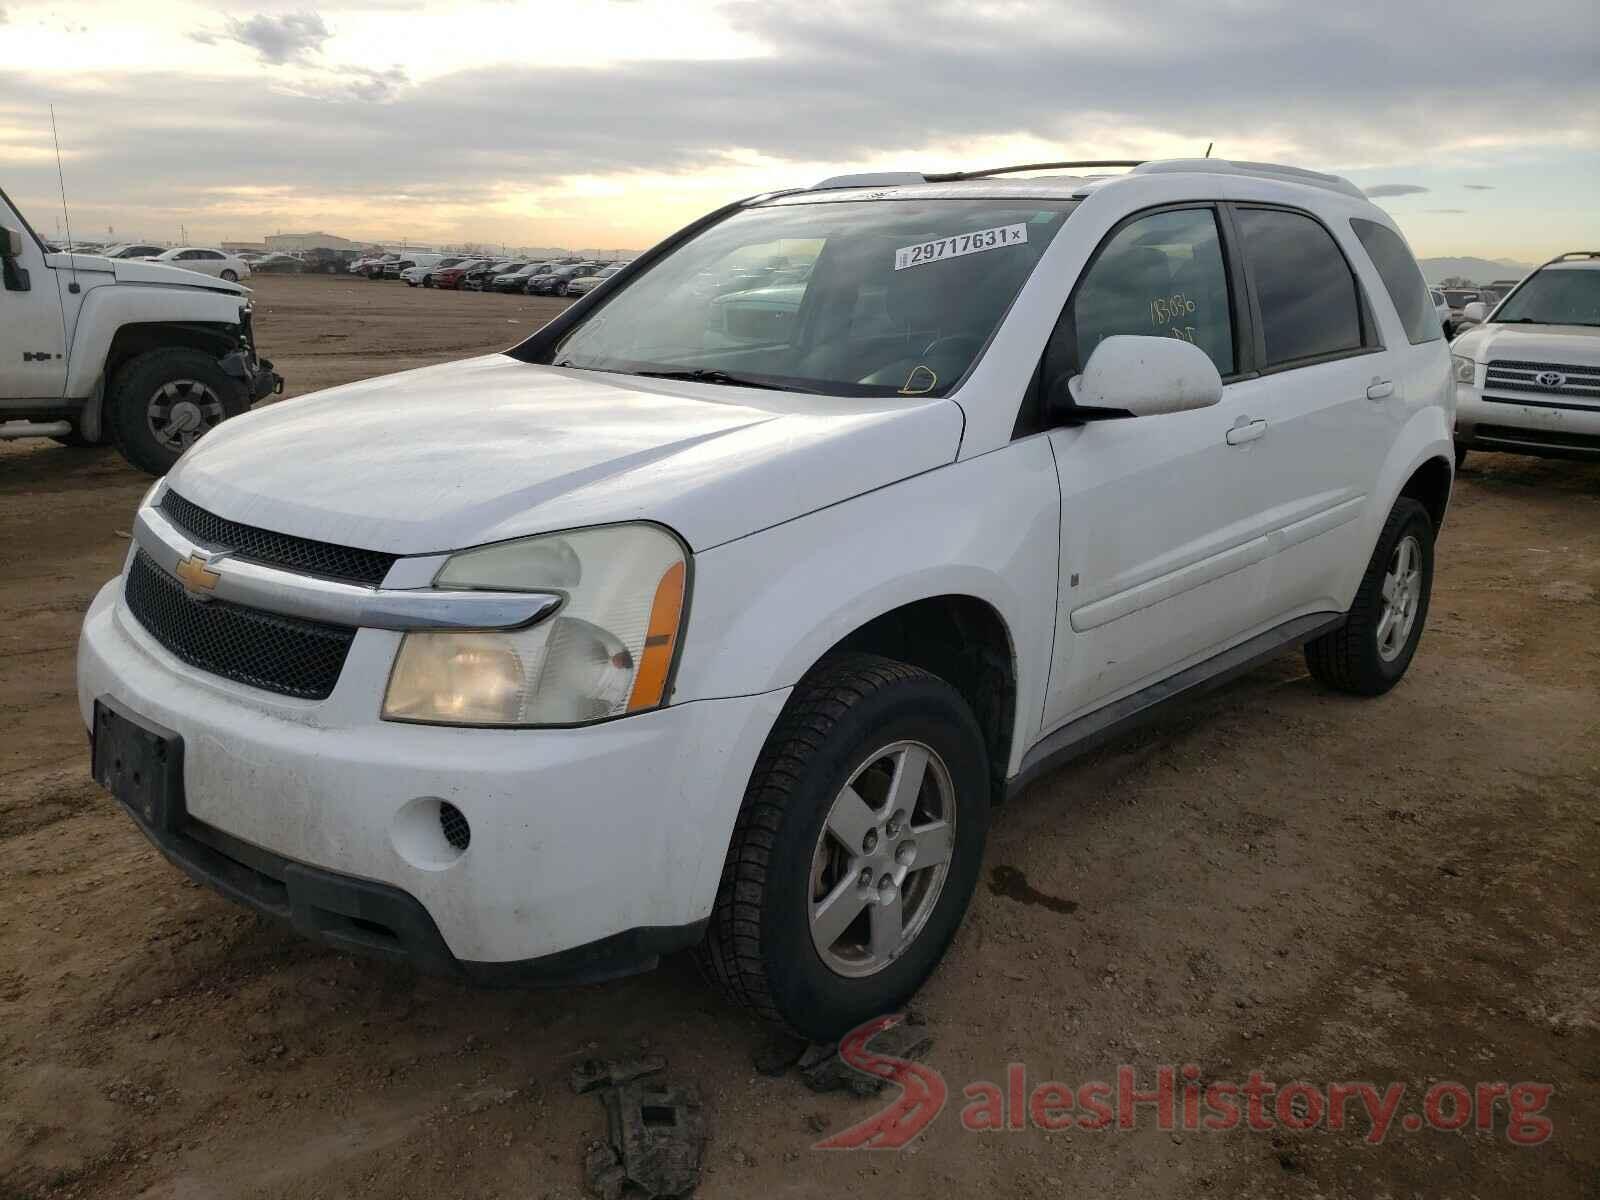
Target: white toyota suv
[(664, 631), (1528, 377)]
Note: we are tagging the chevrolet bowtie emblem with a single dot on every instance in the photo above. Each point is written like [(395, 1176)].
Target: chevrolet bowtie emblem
[(197, 576)]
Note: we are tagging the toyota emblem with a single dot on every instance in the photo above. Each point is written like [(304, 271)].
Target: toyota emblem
[(1550, 379)]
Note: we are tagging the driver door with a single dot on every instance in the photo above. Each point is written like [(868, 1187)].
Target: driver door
[(33, 362), (1162, 546)]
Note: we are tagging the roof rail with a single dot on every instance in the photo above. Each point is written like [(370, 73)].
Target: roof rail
[(869, 179), (1223, 166), (957, 176), (1571, 254)]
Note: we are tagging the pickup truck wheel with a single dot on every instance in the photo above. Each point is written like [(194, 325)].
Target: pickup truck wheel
[(163, 401), (1369, 653), (855, 851)]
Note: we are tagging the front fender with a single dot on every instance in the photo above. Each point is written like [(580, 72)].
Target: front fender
[(766, 607), (107, 309)]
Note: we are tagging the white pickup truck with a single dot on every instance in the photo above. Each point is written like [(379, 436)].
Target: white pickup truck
[(665, 630), (94, 349)]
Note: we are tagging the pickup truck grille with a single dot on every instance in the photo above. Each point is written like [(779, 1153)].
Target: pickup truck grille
[(278, 654), (276, 549), (1575, 381)]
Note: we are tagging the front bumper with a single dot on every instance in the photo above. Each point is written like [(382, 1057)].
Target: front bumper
[(1497, 419), (601, 846)]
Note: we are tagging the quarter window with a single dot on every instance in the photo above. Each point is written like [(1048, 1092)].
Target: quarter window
[(1307, 296), (1402, 279), (1159, 275)]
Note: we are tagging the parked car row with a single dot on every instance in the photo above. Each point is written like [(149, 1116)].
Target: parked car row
[(567, 277)]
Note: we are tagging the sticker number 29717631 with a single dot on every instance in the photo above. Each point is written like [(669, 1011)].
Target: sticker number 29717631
[(959, 244)]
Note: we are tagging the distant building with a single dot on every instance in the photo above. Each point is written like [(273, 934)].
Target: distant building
[(235, 247), (284, 243)]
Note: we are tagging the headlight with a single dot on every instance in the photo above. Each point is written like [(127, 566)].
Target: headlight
[(608, 651), (1465, 368)]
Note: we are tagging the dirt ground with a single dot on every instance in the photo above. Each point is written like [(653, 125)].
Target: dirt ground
[(1275, 879)]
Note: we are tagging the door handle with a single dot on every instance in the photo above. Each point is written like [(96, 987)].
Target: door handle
[(1380, 389), (1246, 431)]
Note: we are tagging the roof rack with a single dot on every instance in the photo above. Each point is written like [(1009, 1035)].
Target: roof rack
[(957, 176), (1210, 166), (895, 178), (1571, 254)]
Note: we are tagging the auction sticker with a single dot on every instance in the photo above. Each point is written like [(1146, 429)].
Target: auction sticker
[(961, 243)]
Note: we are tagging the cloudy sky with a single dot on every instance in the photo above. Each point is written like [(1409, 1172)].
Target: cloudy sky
[(603, 123)]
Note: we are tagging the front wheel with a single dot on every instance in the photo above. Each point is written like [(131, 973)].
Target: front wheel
[(165, 400), (231, 276), (1369, 653), (856, 849)]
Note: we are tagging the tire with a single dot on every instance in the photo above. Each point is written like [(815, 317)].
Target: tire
[(759, 948), (427, 281), (231, 276), (1350, 658), (329, 269), (561, 288), (139, 384), (1461, 456)]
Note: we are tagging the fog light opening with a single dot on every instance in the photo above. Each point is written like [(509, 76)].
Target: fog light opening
[(453, 824)]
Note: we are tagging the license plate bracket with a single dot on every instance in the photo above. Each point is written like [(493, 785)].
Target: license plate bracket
[(141, 764)]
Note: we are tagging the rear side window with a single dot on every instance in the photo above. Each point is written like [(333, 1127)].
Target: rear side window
[(1402, 279), (1309, 302)]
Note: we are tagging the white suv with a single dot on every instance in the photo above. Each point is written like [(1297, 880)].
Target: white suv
[(692, 632), (1528, 378)]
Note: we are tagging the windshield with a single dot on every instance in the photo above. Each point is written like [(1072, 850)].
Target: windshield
[(1555, 296), (851, 297)]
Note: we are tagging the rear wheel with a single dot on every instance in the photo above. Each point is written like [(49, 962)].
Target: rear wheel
[(856, 850), (165, 400), (231, 275), (1369, 653)]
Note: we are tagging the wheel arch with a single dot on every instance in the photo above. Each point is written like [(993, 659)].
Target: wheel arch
[(1429, 485), (963, 640)]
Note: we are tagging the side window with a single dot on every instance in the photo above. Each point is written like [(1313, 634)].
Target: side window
[(185, 256), (1308, 298), (1402, 278), (1159, 275), (209, 255)]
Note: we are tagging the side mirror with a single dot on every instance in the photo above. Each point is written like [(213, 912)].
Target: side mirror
[(1475, 313), (1144, 376), (11, 244)]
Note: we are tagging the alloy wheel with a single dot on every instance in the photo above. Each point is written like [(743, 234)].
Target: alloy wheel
[(1402, 595), (180, 411), (881, 859)]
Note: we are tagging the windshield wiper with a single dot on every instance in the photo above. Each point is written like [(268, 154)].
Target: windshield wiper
[(705, 375)]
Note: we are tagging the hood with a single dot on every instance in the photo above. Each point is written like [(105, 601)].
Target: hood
[(469, 452), (137, 270), (1578, 345)]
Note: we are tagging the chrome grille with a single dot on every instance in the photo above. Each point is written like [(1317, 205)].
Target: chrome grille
[(1545, 379)]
